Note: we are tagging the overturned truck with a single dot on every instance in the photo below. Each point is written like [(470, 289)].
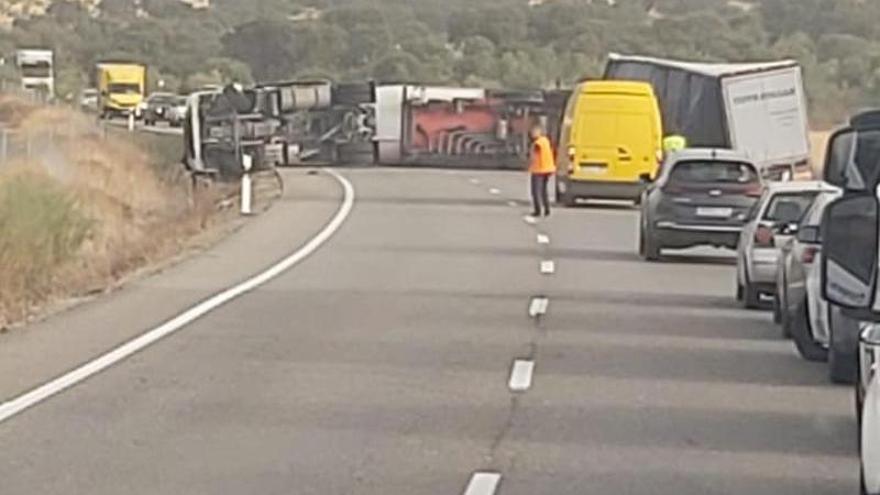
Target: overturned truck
[(319, 122)]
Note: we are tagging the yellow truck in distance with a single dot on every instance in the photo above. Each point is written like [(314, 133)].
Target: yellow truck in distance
[(122, 87)]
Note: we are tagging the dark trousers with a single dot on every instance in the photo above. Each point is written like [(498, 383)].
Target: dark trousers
[(540, 197)]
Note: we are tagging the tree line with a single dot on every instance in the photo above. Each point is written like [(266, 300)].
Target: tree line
[(491, 43)]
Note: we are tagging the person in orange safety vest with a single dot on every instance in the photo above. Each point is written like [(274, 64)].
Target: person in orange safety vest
[(541, 167)]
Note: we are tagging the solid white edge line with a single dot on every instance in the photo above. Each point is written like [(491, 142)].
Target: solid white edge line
[(521, 375), (483, 483), (18, 404), (543, 239), (548, 267)]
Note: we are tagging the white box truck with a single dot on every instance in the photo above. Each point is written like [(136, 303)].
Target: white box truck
[(37, 70), (757, 108)]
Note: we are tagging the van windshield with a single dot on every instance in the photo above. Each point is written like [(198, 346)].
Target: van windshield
[(124, 88), (713, 172)]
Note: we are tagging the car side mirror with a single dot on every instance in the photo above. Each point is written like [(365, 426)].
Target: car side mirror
[(849, 247), (809, 234)]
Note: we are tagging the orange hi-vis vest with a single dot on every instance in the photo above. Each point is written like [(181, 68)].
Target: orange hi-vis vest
[(542, 161)]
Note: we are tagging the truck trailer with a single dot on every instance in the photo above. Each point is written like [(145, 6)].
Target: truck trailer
[(757, 108)]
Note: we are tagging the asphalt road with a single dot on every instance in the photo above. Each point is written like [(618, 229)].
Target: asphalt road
[(382, 363)]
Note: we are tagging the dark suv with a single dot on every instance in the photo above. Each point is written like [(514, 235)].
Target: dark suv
[(703, 196)]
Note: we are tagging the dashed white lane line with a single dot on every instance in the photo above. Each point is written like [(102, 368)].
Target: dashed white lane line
[(483, 483), (29, 399), (530, 220), (475, 181), (494, 191), (512, 203), (543, 239), (548, 267), (538, 306), (521, 375)]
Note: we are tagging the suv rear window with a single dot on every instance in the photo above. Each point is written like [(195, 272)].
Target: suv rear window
[(788, 207), (714, 172)]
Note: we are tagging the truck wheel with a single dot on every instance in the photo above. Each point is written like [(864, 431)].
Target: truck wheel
[(352, 94), (803, 337), (356, 154), (842, 361)]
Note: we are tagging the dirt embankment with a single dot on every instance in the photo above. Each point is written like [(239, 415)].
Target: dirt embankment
[(79, 210)]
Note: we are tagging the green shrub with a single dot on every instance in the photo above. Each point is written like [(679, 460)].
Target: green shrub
[(41, 228)]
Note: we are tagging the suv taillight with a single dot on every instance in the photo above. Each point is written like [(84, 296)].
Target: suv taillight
[(764, 236), (754, 190)]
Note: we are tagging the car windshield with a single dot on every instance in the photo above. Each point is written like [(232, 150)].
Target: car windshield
[(713, 172), (124, 88), (162, 99), (788, 207)]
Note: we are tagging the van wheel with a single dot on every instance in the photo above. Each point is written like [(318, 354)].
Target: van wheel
[(562, 198), (803, 337)]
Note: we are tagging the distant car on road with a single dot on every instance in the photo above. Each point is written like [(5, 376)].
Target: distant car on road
[(88, 100), (782, 205), (163, 107), (702, 197), (805, 315)]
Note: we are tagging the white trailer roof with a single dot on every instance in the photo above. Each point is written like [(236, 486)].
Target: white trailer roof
[(706, 69)]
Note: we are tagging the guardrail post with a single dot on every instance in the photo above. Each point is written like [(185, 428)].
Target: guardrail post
[(4, 145), (246, 184)]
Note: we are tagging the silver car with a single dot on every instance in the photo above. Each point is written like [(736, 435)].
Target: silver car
[(779, 209)]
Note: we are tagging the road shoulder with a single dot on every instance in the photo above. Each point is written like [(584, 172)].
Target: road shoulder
[(42, 351)]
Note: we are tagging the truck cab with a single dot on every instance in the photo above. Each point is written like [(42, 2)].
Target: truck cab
[(851, 248)]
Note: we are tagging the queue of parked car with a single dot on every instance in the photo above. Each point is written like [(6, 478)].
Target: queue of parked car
[(158, 108), (808, 250)]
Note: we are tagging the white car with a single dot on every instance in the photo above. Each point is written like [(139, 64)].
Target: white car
[(868, 407), (780, 207)]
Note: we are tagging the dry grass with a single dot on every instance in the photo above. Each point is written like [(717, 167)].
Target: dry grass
[(79, 216)]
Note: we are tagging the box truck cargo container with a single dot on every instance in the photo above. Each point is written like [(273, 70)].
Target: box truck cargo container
[(756, 108)]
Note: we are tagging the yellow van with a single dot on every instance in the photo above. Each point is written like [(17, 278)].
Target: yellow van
[(610, 142)]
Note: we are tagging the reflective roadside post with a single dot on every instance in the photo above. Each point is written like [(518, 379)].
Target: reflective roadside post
[(246, 184), (131, 121)]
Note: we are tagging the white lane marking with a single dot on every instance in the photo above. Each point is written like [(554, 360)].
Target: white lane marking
[(483, 483), (512, 203), (538, 306), (543, 239), (521, 375), (530, 220), (494, 191), (33, 397), (475, 181), (548, 267)]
